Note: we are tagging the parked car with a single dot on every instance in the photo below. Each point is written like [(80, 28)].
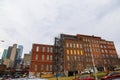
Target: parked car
[(84, 78), (85, 72), (6, 77), (116, 69), (111, 76)]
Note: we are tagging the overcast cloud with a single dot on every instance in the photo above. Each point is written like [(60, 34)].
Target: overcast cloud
[(38, 21)]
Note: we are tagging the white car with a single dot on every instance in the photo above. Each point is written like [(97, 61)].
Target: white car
[(85, 72), (118, 68)]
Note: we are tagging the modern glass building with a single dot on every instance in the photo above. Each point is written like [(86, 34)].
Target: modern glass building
[(18, 58), (13, 55), (9, 52), (4, 54), (20, 50)]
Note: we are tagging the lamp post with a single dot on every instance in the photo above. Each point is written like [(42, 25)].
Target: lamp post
[(94, 67), (93, 61)]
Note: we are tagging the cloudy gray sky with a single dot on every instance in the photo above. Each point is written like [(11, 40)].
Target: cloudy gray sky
[(38, 21)]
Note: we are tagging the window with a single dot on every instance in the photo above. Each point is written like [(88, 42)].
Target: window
[(67, 51), (47, 57), (75, 58), (42, 67), (106, 51), (67, 45), (86, 60), (48, 49), (107, 55), (35, 67), (75, 52), (81, 52), (51, 50), (74, 45), (90, 45), (102, 51), (43, 49), (101, 46), (68, 58), (88, 40), (103, 55), (85, 50), (78, 52), (71, 58), (71, 45), (98, 50), (51, 57), (27, 63), (105, 61), (77, 45), (89, 54), (80, 45), (90, 49), (47, 67), (50, 67), (97, 42), (36, 58), (111, 56), (43, 57), (84, 45), (104, 46), (37, 48), (78, 58), (71, 52)]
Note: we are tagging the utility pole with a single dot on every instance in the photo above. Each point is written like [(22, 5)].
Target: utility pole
[(93, 61), (94, 67)]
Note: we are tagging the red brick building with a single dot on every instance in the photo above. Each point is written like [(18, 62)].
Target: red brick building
[(41, 59), (76, 52), (73, 53)]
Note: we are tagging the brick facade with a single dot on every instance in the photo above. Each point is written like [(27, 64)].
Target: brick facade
[(76, 52), (41, 59)]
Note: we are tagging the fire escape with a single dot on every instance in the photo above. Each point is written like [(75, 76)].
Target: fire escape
[(58, 55)]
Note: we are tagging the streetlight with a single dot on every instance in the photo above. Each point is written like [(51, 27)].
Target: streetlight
[(93, 60), (94, 67)]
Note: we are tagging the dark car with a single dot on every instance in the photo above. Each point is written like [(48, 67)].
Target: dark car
[(111, 76), (85, 78), (6, 77)]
